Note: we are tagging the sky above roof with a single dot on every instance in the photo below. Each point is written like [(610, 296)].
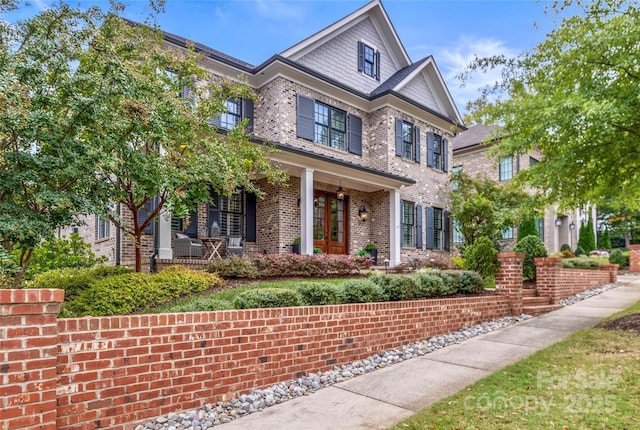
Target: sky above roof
[(452, 31)]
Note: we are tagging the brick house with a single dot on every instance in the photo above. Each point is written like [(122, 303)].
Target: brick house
[(363, 133), (470, 155)]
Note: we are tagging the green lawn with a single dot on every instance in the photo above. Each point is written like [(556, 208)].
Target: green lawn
[(588, 381), (209, 301)]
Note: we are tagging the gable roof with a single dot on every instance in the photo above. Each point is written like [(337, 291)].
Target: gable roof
[(475, 135)]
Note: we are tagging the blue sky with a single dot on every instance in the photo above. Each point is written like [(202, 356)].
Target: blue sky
[(453, 31)]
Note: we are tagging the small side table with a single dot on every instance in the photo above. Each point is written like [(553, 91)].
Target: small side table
[(212, 248)]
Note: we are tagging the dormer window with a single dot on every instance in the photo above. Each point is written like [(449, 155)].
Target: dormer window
[(368, 60)]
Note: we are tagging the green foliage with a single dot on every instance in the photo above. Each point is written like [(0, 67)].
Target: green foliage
[(604, 241), (532, 247), (234, 267), (433, 261), (431, 285), (527, 228), (580, 264), (318, 293), (266, 298), (483, 208), (452, 282), (74, 281), (130, 292), (619, 257), (202, 304), (481, 257), (580, 252), (565, 247), (471, 282), (587, 238), (574, 98), (400, 287), (361, 291), (9, 269), (60, 253), (370, 246)]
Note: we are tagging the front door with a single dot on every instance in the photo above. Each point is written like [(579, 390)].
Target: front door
[(329, 223)]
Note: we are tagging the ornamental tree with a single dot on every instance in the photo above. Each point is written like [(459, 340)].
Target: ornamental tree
[(573, 97)]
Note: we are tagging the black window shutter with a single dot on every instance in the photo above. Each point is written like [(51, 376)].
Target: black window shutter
[(143, 215), (377, 65), (97, 229), (445, 155), (417, 144), (517, 163), (192, 228), (430, 143), (447, 231), (399, 137), (355, 134), (212, 210), (429, 241), (360, 56), (251, 234), (247, 112), (419, 226), (305, 124)]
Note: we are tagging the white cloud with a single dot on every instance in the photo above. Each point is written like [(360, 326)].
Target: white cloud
[(453, 59), (41, 5), (280, 10)]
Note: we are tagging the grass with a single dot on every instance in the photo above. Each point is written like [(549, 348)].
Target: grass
[(223, 299), (588, 381)]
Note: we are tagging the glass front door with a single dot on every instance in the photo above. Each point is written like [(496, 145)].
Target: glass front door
[(329, 223)]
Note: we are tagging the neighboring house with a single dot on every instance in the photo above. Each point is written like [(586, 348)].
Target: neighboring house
[(470, 156), (363, 133)]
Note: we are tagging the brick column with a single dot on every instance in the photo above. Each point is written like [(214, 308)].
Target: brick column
[(613, 272), (509, 279), (28, 357), (547, 277), (634, 258)]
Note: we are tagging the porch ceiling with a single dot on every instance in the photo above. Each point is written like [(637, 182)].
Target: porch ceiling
[(337, 172)]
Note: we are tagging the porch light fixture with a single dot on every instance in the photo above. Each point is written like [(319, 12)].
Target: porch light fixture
[(572, 226), (340, 193), (362, 213), (558, 222)]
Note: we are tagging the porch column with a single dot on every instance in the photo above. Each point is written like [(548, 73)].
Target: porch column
[(306, 212), (394, 227), (164, 241)]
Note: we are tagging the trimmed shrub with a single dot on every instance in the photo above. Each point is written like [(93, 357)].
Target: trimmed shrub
[(532, 247), (567, 254), (433, 261), (587, 237), (266, 298), (234, 267), (202, 304), (130, 292), (400, 287), (619, 257), (565, 247), (361, 291), (318, 293), (452, 282), (481, 257), (471, 282), (430, 284), (527, 228), (579, 251), (580, 264), (74, 281)]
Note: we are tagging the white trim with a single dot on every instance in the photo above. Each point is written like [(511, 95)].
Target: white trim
[(394, 227), (306, 212)]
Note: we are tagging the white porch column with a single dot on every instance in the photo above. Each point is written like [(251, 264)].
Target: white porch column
[(394, 227), (164, 241), (306, 212)]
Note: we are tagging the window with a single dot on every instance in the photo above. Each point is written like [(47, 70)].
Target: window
[(532, 161), (103, 228), (368, 61), (506, 168), (227, 211), (437, 152), (457, 232), (507, 233), (407, 223), (407, 140), (330, 126), (437, 229), (230, 119), (540, 228), (454, 183)]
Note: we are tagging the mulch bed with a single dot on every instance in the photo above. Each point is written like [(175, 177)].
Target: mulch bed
[(626, 323)]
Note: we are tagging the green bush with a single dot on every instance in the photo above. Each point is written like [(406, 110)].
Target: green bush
[(131, 292), (9, 269), (481, 257), (619, 257), (400, 287), (580, 264), (579, 252), (527, 228), (471, 282), (318, 293), (587, 237), (234, 267), (266, 298), (202, 304), (74, 281), (532, 247), (361, 291), (430, 284), (565, 247), (452, 282)]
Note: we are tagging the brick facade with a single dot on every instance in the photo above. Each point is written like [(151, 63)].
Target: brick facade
[(634, 258)]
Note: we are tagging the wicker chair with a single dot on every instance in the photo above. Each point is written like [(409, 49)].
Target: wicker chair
[(186, 246), (235, 246)]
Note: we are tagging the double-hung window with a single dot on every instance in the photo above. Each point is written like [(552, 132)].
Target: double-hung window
[(233, 116), (506, 168), (455, 184), (457, 232), (368, 61), (437, 152), (227, 212), (330, 126), (540, 228), (507, 233), (408, 221), (437, 229), (103, 228), (407, 140)]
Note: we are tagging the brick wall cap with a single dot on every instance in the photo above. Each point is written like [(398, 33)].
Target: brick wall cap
[(547, 261), (31, 296), (634, 247)]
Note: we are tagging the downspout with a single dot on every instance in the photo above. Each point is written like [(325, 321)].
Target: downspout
[(118, 240), (156, 241)]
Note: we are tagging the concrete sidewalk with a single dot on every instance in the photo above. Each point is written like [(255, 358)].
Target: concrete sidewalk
[(379, 399)]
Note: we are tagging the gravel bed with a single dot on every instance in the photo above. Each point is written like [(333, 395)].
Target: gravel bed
[(210, 415)]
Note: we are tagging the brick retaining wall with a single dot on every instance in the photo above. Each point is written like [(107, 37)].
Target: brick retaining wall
[(113, 372)]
